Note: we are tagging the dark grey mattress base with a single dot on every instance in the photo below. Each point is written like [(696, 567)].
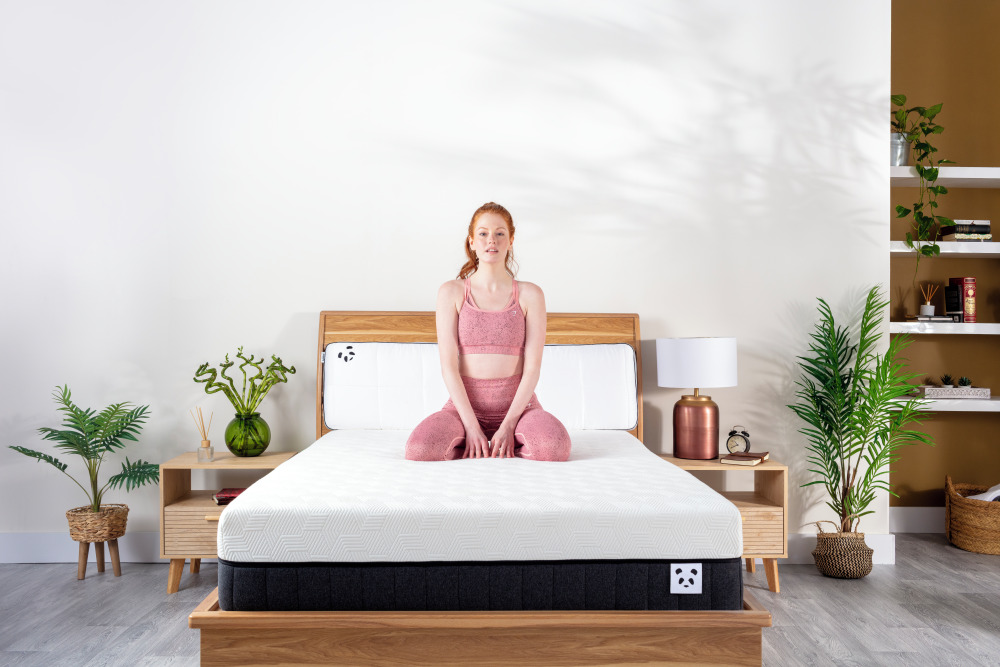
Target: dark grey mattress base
[(477, 586)]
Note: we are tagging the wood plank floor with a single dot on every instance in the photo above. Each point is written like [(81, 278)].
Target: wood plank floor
[(937, 606)]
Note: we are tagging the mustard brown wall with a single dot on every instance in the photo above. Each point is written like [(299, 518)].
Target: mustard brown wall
[(947, 52)]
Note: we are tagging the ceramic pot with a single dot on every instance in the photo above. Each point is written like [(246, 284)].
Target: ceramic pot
[(248, 435)]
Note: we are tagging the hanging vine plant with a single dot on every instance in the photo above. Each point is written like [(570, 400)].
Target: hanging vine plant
[(917, 124)]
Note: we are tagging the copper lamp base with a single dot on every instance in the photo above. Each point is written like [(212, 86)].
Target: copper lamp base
[(696, 428)]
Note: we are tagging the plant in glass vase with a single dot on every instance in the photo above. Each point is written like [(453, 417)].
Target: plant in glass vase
[(247, 434)]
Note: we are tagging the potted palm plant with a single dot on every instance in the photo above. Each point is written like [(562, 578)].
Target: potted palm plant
[(857, 407), (92, 436), (247, 434)]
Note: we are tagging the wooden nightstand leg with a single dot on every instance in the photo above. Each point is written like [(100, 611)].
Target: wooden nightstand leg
[(751, 564), (116, 564), (195, 565), (771, 570), (81, 567), (99, 552), (174, 578)]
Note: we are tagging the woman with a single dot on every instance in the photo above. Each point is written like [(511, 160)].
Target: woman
[(490, 330)]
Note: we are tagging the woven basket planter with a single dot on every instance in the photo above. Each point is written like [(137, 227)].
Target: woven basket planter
[(88, 526), (973, 525), (843, 555)]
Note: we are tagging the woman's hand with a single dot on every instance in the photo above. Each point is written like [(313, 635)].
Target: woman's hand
[(503, 443), (476, 444)]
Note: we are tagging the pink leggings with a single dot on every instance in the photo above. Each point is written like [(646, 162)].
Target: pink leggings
[(538, 435)]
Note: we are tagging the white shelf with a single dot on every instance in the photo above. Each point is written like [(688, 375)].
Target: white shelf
[(953, 249), (962, 404), (950, 177), (980, 328)]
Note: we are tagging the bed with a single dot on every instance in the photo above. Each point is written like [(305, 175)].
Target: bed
[(581, 574)]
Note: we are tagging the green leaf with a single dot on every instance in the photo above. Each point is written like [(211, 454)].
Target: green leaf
[(135, 474), (898, 100), (932, 111), (943, 221), (902, 211), (41, 457)]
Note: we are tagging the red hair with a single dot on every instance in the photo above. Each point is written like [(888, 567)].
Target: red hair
[(470, 266)]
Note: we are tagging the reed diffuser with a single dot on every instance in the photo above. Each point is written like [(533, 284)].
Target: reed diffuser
[(206, 453), (928, 291)]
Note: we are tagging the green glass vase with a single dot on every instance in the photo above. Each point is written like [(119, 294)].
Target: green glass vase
[(248, 435)]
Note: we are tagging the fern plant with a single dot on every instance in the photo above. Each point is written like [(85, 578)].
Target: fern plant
[(92, 435), (856, 406)]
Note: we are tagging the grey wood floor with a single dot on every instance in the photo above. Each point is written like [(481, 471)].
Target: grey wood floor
[(937, 606)]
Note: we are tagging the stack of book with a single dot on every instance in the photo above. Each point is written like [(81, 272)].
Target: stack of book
[(226, 496), (745, 458), (960, 298), (934, 318), (966, 230)]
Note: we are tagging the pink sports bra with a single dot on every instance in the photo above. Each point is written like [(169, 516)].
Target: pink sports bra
[(490, 331)]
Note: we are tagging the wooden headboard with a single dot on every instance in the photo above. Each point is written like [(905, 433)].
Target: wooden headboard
[(419, 327)]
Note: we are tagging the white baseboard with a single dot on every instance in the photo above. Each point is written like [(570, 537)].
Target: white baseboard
[(916, 519), (133, 547)]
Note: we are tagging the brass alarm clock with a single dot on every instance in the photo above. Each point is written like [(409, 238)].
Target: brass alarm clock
[(738, 440)]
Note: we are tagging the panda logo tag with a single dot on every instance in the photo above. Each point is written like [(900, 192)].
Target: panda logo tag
[(685, 578)]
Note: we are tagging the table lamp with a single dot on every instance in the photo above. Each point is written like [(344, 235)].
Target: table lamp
[(697, 363)]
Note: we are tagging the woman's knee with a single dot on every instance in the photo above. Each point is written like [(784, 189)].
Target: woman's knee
[(436, 438), (542, 437)]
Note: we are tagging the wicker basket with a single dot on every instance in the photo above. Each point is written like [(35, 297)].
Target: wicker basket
[(843, 555), (88, 526), (973, 525)]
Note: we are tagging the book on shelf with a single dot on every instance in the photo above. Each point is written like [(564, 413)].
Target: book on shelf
[(967, 237), (967, 285), (931, 318), (966, 227), (226, 496), (745, 458), (953, 302)]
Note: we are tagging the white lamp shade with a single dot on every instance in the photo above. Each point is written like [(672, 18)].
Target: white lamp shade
[(696, 362)]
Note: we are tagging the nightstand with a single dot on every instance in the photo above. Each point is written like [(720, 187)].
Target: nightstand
[(189, 519), (764, 510)]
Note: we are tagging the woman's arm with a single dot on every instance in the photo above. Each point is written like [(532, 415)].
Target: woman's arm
[(533, 303), (449, 302)]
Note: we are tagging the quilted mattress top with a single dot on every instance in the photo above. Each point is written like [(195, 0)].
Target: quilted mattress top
[(352, 497)]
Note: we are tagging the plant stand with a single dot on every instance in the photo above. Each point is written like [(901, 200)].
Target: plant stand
[(116, 565)]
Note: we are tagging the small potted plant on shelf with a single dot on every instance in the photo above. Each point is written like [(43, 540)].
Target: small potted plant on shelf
[(964, 381), (947, 381), (92, 436), (856, 404), (917, 125), (247, 434)]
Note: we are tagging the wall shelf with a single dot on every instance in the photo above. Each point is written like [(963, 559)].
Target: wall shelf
[(953, 250), (979, 328), (950, 177), (962, 404)]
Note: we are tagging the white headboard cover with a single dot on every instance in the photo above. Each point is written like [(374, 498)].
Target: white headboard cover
[(395, 385)]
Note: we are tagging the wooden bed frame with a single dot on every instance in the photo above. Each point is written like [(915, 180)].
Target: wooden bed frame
[(488, 637)]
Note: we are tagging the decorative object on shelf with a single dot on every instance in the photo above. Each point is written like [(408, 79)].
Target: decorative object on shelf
[(899, 150), (206, 453), (856, 404), (953, 392), (842, 555), (964, 381), (928, 290), (971, 524), (967, 293), (92, 435), (967, 230), (227, 495), (917, 125), (247, 434), (697, 363), (738, 440), (947, 381)]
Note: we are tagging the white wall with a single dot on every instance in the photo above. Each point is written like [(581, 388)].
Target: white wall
[(178, 179)]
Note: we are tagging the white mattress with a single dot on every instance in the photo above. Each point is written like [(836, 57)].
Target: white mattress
[(352, 497)]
